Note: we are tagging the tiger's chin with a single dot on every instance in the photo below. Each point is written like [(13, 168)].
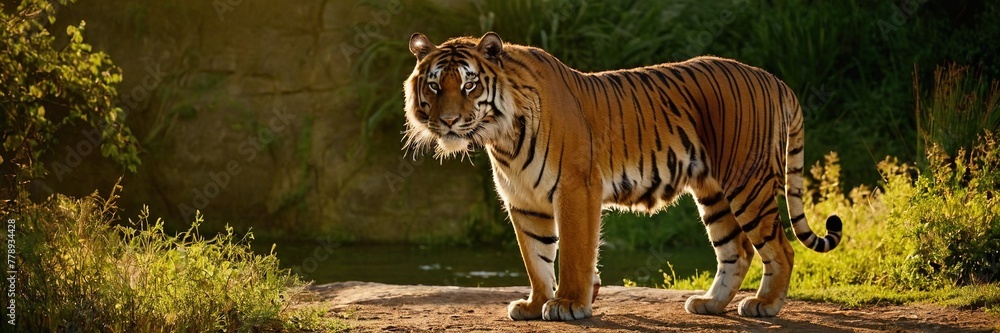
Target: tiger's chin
[(449, 145)]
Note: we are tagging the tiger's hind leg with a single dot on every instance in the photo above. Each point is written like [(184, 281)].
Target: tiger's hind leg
[(762, 224), (733, 250)]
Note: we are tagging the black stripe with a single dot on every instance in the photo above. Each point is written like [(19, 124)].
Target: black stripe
[(520, 137), (544, 239), (529, 213), (730, 237), (709, 201), (774, 234), (497, 156), (546, 259), (736, 191), (545, 160), (760, 217), (648, 196), (558, 173), (531, 151), (795, 150), (717, 216), (798, 218)]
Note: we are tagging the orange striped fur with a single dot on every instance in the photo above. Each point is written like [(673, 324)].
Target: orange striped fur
[(565, 144)]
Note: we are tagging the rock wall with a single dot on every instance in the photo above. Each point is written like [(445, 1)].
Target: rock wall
[(243, 113)]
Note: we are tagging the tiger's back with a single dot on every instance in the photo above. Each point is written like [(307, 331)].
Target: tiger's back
[(564, 143), (680, 122)]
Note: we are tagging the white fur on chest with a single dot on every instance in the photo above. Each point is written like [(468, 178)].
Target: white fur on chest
[(521, 186)]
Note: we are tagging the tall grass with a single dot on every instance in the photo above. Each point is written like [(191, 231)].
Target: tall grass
[(80, 272), (960, 108)]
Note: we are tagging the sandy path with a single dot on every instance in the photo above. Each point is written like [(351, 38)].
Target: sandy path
[(381, 307)]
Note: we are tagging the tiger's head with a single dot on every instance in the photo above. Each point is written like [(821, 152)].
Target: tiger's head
[(454, 95)]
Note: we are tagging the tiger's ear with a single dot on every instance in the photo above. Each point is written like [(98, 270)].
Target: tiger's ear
[(490, 45), (420, 46)]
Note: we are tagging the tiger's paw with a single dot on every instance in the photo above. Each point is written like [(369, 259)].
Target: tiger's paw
[(524, 310), (756, 307), (565, 310), (704, 305)]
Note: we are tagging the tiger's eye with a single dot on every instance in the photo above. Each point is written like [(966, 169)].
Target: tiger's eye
[(469, 85), (434, 86)]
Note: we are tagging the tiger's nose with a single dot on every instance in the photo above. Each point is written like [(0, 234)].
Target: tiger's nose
[(449, 119)]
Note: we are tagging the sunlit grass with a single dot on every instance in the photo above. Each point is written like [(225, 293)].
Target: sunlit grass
[(81, 272)]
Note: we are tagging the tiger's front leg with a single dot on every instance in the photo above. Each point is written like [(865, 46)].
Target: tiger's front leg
[(578, 215), (538, 241)]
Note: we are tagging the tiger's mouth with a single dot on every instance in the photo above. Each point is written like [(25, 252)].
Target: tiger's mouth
[(458, 139)]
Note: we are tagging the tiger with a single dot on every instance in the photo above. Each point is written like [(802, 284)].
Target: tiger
[(564, 145)]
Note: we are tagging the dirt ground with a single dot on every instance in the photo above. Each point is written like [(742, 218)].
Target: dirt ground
[(380, 307)]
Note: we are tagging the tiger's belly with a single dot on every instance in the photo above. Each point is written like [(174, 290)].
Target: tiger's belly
[(643, 193), (646, 184), (645, 187)]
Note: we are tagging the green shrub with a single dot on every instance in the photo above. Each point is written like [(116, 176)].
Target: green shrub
[(938, 229), (45, 88), (79, 272), (924, 235)]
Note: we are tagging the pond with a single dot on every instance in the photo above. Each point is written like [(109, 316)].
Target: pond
[(464, 266)]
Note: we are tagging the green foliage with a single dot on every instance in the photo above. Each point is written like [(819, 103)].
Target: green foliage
[(677, 226), (311, 318), (44, 88), (79, 272), (936, 230), (698, 281)]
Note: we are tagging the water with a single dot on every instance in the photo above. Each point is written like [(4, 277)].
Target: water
[(484, 267)]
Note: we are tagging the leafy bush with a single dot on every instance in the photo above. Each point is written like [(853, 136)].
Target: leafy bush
[(78, 272), (44, 88)]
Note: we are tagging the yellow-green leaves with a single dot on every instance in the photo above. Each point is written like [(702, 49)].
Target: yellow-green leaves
[(38, 80)]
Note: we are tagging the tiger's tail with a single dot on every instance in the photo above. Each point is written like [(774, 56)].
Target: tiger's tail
[(793, 185)]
